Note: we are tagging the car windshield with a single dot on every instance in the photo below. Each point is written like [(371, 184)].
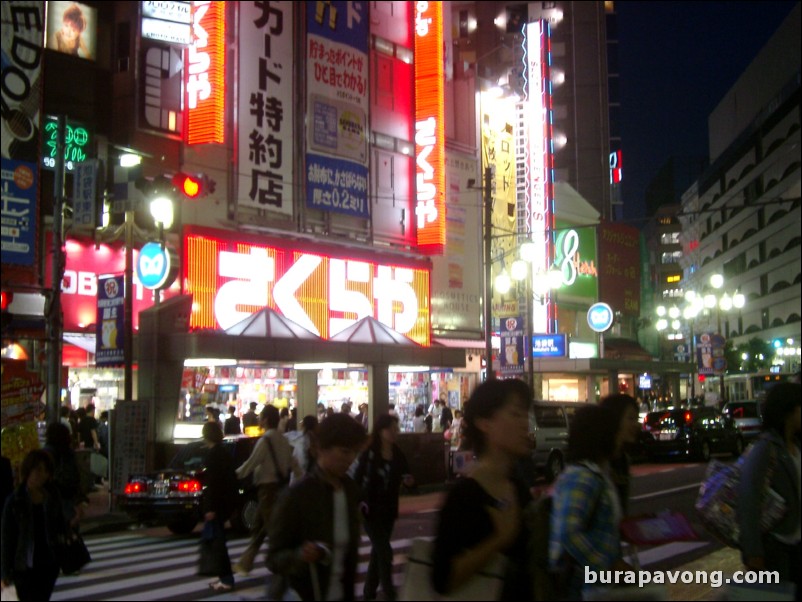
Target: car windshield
[(189, 457), (742, 410)]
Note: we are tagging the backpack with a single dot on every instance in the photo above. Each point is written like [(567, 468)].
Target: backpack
[(717, 502)]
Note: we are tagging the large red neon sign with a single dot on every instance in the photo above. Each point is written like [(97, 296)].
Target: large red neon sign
[(430, 208), (206, 69), (232, 276)]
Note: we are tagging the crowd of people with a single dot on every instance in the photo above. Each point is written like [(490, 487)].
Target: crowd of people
[(321, 486)]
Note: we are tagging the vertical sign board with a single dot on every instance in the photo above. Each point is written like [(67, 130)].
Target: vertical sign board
[(205, 74), (110, 349), (161, 87), (337, 109), (538, 157), (22, 52), (619, 267), (512, 346), (430, 177), (266, 110), (84, 194)]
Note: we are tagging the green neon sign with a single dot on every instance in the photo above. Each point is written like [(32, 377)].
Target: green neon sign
[(78, 144)]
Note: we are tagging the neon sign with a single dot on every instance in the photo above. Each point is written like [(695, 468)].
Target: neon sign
[(206, 68), (77, 142), (231, 279), (539, 157), (430, 208)]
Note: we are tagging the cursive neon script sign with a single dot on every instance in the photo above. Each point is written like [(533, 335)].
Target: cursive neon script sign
[(231, 280)]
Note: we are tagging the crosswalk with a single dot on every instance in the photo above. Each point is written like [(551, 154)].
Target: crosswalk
[(142, 566), (136, 566)]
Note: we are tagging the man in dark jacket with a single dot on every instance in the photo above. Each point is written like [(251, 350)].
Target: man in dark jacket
[(232, 424), (220, 486), (314, 529), (250, 418)]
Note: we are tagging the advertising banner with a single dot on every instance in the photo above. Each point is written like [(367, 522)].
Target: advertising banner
[(337, 92), (110, 321), (72, 28), (266, 110), (710, 360), (512, 345), (619, 268), (19, 194)]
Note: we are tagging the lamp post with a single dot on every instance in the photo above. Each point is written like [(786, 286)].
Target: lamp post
[(722, 301), (669, 317), (538, 287)]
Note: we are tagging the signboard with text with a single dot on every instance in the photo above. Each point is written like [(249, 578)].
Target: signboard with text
[(110, 347), (19, 211), (512, 345), (549, 345)]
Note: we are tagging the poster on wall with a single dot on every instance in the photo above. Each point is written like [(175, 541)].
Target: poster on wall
[(266, 110), (72, 29), (337, 107), (18, 192), (619, 267), (512, 345), (110, 346)]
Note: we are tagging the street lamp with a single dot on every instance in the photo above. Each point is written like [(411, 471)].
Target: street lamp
[(722, 301), (669, 319), (538, 287)]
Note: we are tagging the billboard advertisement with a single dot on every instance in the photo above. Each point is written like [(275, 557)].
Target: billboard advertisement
[(337, 107), (233, 275), (619, 267), (205, 73), (266, 111), (72, 29)]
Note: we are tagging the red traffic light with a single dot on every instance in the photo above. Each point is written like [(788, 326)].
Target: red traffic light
[(5, 299), (190, 186)]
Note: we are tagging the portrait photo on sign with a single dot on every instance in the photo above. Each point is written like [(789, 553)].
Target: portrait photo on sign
[(72, 29)]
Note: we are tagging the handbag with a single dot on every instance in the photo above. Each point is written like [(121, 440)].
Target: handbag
[(73, 555), (717, 502), (484, 585), (212, 550)]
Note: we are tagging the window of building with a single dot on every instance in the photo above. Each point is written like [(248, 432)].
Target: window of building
[(671, 257), (669, 238)]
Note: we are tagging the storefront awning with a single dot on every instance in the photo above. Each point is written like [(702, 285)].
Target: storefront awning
[(87, 342), (370, 330), (271, 324)]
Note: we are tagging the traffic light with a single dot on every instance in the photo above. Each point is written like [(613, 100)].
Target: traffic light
[(193, 186)]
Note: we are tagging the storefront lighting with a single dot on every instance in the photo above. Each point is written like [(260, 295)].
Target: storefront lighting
[(208, 362), (321, 366), (408, 369), (13, 351), (130, 160)]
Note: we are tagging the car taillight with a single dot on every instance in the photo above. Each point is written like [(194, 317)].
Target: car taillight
[(191, 486), (687, 417), (135, 487)]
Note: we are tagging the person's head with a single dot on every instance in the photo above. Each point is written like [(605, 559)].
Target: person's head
[(270, 416), (457, 414), (625, 411), (309, 424), (496, 417), (592, 434), (64, 412), (90, 409), (363, 408), (339, 439), (782, 407), (345, 408), (252, 405), (36, 469), (73, 22), (104, 415), (443, 397), (80, 414), (212, 433), (329, 411), (385, 430), (58, 436), (232, 410), (419, 411)]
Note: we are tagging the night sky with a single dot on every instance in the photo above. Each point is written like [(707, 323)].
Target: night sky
[(676, 61)]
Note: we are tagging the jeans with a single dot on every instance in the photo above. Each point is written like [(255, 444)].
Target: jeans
[(380, 568), (37, 583)]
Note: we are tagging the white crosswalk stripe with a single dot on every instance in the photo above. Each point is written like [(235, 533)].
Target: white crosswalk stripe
[(131, 566)]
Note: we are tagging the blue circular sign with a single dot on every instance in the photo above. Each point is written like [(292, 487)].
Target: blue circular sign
[(153, 266), (600, 317)]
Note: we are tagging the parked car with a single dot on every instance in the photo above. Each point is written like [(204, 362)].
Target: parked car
[(548, 428), (173, 495), (747, 416), (694, 433)]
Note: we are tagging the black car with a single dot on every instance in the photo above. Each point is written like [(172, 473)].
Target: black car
[(691, 433), (173, 496)]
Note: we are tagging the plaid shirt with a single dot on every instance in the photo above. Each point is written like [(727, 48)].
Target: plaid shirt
[(583, 520)]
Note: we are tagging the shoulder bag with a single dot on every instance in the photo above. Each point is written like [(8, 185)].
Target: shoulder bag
[(283, 480)]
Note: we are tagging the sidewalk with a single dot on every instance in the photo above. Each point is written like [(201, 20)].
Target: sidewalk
[(98, 519)]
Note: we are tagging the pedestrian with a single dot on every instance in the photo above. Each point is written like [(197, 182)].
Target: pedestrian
[(584, 530), (103, 433), (362, 416), (64, 417), (271, 463), (232, 424), (774, 464), (219, 493), (446, 416), (292, 423), (283, 419), (381, 470), (304, 448), (481, 516), (250, 418), (66, 472), (314, 531), (33, 528), (625, 412), (87, 428), (213, 415), (419, 420), (436, 411)]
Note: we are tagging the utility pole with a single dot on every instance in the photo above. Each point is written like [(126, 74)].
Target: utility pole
[(128, 339), (54, 319), (488, 206)]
